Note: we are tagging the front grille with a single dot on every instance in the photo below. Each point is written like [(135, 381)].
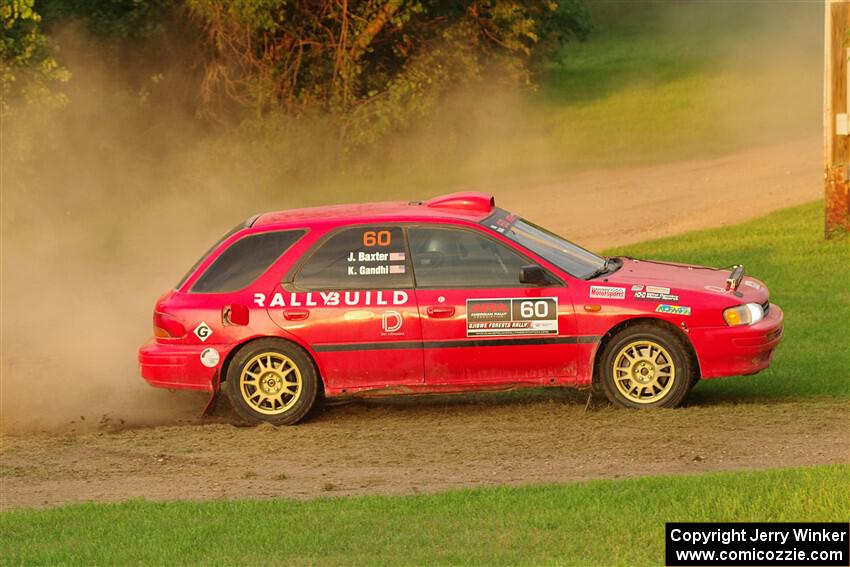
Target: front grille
[(766, 306)]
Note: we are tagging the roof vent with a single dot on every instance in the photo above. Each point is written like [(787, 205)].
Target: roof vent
[(466, 201)]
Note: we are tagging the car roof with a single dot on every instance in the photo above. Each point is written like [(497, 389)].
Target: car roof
[(467, 205)]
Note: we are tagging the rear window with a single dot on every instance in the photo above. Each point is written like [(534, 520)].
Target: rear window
[(245, 261)]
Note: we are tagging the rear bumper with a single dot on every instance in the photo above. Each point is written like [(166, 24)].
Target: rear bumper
[(732, 351), (176, 366)]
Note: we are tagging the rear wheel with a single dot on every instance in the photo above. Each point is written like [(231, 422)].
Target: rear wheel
[(646, 366), (271, 381)]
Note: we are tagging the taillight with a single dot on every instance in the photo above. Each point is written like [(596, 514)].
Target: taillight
[(167, 327)]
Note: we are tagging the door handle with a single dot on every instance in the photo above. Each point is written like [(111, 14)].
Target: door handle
[(438, 311), (296, 314)]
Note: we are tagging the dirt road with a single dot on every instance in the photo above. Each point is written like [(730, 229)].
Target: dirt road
[(420, 446), (88, 443), (610, 207)]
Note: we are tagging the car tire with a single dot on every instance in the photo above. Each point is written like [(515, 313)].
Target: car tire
[(646, 366), (271, 381)]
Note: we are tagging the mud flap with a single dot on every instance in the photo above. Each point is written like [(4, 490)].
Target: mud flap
[(210, 407)]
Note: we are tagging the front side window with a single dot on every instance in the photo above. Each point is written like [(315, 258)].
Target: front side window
[(571, 258), (365, 257), (448, 257), (245, 261)]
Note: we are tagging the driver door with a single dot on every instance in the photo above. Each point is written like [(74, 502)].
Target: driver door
[(479, 324)]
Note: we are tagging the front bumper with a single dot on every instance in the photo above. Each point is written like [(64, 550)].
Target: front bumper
[(733, 351), (176, 366)]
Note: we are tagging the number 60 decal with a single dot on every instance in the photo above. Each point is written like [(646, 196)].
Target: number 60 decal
[(534, 309), (376, 238)]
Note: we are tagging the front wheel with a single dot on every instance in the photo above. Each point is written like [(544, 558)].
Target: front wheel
[(646, 366), (271, 381)]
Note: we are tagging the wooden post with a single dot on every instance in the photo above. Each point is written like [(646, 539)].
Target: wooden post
[(836, 117)]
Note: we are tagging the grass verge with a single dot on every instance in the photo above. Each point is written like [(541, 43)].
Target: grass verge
[(807, 276), (662, 81), (619, 522)]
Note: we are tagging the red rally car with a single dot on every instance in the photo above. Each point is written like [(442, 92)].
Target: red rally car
[(447, 295)]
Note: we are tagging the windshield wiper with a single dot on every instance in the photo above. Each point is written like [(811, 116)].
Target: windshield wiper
[(611, 265), (601, 271)]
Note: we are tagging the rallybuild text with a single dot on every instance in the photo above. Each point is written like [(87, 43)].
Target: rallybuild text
[(757, 543)]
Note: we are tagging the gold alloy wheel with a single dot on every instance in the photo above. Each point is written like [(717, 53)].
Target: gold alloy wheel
[(644, 372), (270, 383)]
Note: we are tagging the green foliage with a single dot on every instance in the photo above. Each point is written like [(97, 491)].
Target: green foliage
[(110, 19), (374, 64), (28, 69), (367, 67), (604, 522)]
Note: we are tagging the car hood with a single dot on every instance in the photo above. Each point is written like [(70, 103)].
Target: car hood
[(687, 278)]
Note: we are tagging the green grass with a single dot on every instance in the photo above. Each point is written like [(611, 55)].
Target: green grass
[(662, 81), (604, 522), (808, 277)]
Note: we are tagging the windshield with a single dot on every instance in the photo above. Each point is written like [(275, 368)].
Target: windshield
[(571, 258)]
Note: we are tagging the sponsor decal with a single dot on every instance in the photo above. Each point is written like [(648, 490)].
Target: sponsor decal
[(716, 289), (391, 322), (512, 316), (637, 288), (656, 289), (673, 309), (752, 284), (607, 292), (655, 296), (203, 332), (210, 357), (332, 299)]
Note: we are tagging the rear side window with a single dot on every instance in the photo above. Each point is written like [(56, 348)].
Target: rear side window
[(245, 261), (366, 257), (214, 247)]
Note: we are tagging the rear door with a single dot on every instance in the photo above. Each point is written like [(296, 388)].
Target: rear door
[(352, 301), (479, 324)]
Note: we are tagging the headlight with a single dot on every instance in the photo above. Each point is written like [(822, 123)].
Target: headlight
[(746, 314)]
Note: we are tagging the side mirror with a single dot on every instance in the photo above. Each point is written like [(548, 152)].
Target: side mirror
[(532, 274)]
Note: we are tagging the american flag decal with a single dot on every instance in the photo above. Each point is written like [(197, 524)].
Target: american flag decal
[(396, 269), (396, 256)]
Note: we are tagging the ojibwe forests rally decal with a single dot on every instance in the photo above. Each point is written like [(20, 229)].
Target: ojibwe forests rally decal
[(332, 298), (522, 316)]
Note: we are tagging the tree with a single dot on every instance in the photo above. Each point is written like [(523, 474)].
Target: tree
[(28, 70), (372, 63)]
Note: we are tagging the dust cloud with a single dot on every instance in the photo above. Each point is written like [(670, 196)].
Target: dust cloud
[(107, 202)]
